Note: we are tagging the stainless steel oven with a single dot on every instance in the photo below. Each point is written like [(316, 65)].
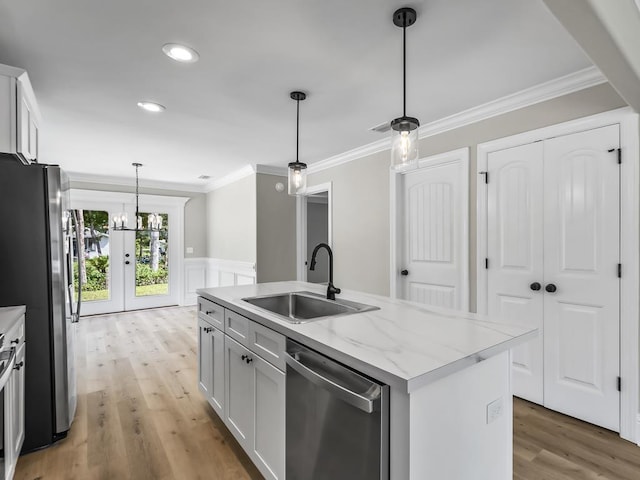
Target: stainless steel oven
[(7, 362), (337, 420)]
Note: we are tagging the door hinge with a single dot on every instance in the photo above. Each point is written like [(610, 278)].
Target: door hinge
[(619, 270), (486, 263), (619, 154), (619, 384), (486, 176)]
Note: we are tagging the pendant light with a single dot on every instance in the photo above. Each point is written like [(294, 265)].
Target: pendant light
[(404, 130), (119, 223), (297, 170)]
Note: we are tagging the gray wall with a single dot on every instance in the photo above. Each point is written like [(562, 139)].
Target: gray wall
[(231, 221), (194, 211), (361, 188), (317, 232), (276, 230)]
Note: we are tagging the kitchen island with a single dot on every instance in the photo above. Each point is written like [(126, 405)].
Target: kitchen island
[(448, 375)]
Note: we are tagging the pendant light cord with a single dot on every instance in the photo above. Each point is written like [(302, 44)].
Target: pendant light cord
[(137, 212), (404, 64), (297, 127)]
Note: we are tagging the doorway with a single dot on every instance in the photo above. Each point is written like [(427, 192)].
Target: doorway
[(126, 270), (314, 227)]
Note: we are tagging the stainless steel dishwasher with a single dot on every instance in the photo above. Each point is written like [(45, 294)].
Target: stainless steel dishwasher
[(337, 420)]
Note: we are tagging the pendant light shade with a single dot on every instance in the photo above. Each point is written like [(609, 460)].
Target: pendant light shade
[(297, 176), (404, 130)]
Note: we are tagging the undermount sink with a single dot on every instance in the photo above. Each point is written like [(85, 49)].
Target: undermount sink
[(302, 307)]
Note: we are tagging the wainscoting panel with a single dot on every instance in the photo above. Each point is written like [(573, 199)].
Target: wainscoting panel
[(214, 272)]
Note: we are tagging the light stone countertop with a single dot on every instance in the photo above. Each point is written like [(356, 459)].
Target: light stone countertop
[(9, 316), (404, 344)]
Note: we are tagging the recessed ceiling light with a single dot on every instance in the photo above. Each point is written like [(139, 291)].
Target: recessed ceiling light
[(151, 107), (180, 53)]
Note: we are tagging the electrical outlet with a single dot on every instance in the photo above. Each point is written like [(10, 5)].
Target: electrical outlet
[(189, 249), (494, 410)]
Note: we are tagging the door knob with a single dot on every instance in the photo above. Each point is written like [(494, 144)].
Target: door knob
[(404, 272), (535, 286), (127, 262), (551, 288)]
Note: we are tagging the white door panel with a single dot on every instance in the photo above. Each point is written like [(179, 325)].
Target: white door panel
[(434, 209), (515, 240), (581, 317)]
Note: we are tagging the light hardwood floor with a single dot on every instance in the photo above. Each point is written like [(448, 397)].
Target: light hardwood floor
[(140, 416)]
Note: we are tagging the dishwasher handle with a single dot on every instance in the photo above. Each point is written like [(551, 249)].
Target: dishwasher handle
[(362, 402)]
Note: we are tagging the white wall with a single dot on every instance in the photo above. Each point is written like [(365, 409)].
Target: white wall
[(231, 221), (361, 188), (276, 230)]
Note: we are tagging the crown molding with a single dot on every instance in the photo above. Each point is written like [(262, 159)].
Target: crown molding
[(107, 180), (271, 170), (234, 176), (573, 82)]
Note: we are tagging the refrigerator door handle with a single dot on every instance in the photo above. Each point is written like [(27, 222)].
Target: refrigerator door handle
[(80, 248)]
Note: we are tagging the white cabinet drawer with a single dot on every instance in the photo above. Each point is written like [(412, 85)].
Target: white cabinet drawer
[(237, 327), (211, 312), (268, 344)]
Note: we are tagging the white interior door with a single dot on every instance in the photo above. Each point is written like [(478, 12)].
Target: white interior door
[(515, 253), (434, 264), (582, 315)]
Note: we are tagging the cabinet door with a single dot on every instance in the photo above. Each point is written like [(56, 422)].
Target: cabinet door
[(205, 359), (27, 127), (239, 392), (17, 421), (216, 392), (269, 398)]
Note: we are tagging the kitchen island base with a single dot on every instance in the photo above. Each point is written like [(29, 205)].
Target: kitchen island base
[(456, 428)]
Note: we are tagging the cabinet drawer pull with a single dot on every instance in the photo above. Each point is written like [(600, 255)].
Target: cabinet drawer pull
[(209, 312), (208, 329), (16, 341), (247, 359), (18, 365)]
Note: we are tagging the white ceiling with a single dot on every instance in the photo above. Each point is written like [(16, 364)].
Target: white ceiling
[(90, 61)]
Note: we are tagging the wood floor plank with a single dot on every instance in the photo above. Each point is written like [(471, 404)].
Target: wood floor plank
[(140, 416)]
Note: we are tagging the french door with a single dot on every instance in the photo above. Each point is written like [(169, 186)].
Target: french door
[(553, 254), (125, 270)]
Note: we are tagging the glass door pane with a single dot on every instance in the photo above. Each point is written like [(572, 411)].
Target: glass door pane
[(152, 262), (91, 260)]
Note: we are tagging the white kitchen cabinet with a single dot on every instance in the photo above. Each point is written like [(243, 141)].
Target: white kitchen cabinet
[(239, 392), (240, 372), (17, 404), (211, 365), (256, 408), (14, 412), (19, 115), (269, 398)]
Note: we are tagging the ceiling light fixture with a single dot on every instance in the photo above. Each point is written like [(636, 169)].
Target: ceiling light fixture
[(180, 53), (120, 221), (297, 170), (152, 107), (404, 135)]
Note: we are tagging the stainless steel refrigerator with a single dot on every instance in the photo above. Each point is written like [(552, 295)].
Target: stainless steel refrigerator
[(34, 272)]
